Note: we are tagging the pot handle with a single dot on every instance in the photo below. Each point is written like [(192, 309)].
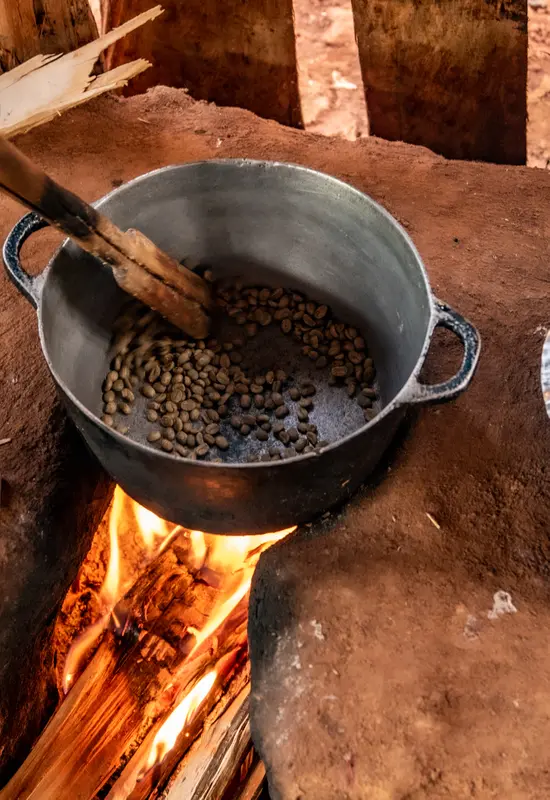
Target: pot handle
[(447, 317), (28, 285)]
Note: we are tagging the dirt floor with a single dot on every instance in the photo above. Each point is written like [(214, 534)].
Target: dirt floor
[(381, 673)]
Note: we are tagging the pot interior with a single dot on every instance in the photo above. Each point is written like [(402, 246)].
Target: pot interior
[(274, 224)]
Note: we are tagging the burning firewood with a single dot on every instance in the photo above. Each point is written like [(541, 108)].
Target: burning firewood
[(170, 664)]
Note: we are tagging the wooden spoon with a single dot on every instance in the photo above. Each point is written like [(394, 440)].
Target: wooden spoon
[(138, 266)]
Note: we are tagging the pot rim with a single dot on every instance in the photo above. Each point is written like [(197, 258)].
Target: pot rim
[(399, 400)]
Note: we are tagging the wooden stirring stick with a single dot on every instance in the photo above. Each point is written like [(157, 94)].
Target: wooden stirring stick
[(139, 267)]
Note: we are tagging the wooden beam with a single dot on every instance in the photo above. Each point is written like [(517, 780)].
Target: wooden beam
[(32, 27), (229, 52), (450, 75)]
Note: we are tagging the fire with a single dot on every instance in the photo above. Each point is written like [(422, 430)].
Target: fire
[(181, 716), (151, 528), (225, 562), (149, 525), (111, 585)]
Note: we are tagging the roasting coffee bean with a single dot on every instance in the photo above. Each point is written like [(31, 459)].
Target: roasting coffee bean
[(190, 386)]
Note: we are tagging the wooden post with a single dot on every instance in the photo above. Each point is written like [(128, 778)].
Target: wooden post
[(230, 52), (31, 27), (450, 75)]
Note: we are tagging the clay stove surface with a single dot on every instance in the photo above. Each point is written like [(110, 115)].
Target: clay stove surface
[(378, 672)]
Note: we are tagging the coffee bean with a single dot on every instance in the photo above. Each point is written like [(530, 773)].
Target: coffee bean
[(221, 442), (283, 437), (245, 430), (261, 435), (369, 414), (364, 402), (236, 421), (108, 420), (312, 438), (321, 312), (167, 445), (293, 434), (300, 444), (181, 450), (202, 450), (189, 384)]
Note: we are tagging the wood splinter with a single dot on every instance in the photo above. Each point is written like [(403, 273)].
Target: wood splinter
[(139, 266)]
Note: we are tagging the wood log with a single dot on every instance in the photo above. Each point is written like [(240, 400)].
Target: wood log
[(224, 51), (213, 763), (449, 76), (255, 784), (139, 266), (29, 28), (135, 677), (44, 86)]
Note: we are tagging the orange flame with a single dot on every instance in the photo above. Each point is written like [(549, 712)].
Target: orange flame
[(151, 529), (230, 560), (181, 716), (150, 526)]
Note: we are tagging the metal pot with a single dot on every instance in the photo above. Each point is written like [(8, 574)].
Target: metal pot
[(278, 225)]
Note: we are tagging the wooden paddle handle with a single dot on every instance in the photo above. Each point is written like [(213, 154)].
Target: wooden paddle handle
[(139, 266)]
